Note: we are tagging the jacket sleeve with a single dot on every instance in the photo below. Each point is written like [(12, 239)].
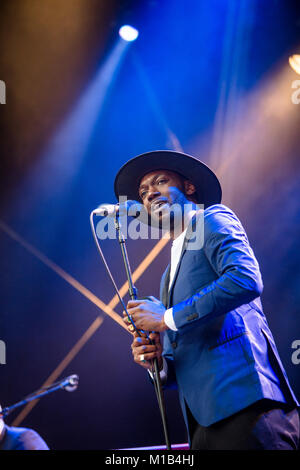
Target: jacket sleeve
[(227, 249), (170, 381)]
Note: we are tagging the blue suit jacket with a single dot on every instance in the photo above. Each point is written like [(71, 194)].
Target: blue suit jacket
[(223, 356)]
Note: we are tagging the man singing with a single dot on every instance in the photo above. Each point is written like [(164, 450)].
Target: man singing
[(217, 346)]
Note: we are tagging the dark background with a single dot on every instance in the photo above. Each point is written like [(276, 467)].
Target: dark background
[(210, 78)]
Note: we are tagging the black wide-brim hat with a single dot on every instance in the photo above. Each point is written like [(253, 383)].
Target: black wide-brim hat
[(207, 185)]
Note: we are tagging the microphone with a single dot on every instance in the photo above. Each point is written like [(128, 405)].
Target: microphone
[(70, 383), (133, 208)]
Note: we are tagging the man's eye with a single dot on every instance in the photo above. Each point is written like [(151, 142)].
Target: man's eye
[(162, 181)]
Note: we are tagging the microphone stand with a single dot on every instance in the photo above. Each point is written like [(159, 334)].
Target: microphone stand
[(133, 296), (61, 385)]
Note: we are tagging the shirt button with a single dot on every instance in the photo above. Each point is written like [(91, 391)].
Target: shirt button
[(174, 345)]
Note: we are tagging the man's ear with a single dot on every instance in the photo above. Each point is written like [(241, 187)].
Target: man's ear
[(189, 188)]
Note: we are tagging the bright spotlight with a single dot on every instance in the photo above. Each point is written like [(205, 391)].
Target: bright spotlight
[(294, 61), (128, 33)]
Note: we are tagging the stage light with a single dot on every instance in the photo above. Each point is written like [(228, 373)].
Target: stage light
[(294, 61), (128, 33)]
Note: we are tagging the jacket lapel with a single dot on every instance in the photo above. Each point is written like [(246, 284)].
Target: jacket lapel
[(166, 280)]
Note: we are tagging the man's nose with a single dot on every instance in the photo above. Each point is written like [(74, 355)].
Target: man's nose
[(153, 194)]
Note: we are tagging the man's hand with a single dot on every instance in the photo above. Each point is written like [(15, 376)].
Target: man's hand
[(143, 352), (147, 315)]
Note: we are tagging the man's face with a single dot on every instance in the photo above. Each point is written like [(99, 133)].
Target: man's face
[(161, 189)]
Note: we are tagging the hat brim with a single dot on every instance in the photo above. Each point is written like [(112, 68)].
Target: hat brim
[(207, 185)]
